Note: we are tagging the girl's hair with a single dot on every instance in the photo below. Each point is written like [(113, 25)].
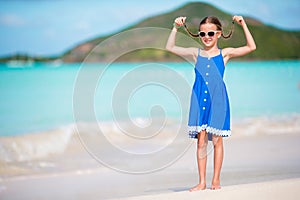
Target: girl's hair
[(211, 20)]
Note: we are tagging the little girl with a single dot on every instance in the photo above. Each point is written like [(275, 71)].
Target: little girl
[(209, 117)]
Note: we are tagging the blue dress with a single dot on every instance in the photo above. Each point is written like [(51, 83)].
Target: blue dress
[(209, 108)]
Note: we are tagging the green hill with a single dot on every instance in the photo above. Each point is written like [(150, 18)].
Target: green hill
[(272, 43)]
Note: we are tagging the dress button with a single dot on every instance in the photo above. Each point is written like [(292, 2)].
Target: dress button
[(204, 99), (206, 83), (203, 108), (205, 91), (206, 74), (208, 66)]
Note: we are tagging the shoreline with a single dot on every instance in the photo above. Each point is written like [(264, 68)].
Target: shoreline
[(236, 121), (63, 150)]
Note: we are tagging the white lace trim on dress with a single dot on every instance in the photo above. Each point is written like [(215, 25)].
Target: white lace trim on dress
[(194, 130)]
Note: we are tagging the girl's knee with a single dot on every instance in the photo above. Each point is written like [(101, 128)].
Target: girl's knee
[(202, 144), (202, 140), (217, 140)]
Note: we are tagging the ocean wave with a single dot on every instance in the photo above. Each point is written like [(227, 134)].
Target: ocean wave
[(140, 135), (267, 125), (35, 145)]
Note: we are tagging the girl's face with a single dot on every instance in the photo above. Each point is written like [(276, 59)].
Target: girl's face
[(209, 34)]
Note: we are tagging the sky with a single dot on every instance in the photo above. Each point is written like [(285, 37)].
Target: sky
[(51, 27)]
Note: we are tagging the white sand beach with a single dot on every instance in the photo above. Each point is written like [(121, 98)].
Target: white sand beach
[(262, 161), (276, 190)]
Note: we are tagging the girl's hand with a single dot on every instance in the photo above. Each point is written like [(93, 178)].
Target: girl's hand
[(238, 19), (179, 21)]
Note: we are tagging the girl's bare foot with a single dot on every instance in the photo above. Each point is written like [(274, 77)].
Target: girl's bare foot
[(215, 185), (198, 187)]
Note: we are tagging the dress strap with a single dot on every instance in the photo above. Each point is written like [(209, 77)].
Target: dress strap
[(198, 51)]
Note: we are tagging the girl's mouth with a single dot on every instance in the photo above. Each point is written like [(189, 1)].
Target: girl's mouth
[(207, 40)]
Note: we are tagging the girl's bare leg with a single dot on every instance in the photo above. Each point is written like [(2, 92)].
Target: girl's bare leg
[(201, 159), (218, 159)]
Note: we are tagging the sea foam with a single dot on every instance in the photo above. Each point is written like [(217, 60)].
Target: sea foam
[(137, 136), (34, 145)]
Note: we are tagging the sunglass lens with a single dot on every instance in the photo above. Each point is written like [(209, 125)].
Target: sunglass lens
[(210, 34), (202, 34)]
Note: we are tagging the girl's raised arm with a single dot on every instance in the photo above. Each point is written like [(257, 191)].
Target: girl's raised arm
[(240, 51), (189, 53)]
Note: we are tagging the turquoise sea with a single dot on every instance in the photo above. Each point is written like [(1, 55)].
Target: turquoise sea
[(36, 97)]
